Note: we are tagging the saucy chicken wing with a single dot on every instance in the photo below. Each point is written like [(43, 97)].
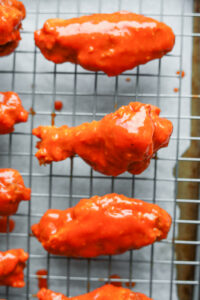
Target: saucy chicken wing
[(12, 12), (12, 191), (106, 225), (112, 43), (106, 292), (122, 141), (11, 112), (12, 264)]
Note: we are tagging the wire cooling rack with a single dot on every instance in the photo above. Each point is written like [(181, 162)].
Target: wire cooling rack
[(86, 96)]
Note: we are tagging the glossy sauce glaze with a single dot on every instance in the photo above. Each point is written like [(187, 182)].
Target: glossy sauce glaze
[(12, 191), (122, 141), (11, 112), (111, 43), (106, 292), (12, 264), (12, 12), (106, 225)]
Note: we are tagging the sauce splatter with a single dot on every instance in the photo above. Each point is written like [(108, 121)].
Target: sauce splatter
[(58, 105), (42, 278), (181, 72), (115, 283), (53, 115), (3, 224), (32, 112), (176, 90), (128, 79), (130, 284)]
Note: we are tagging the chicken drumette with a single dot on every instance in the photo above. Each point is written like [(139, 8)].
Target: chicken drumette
[(12, 264), (111, 43), (106, 225), (12, 191), (106, 292), (12, 12), (11, 112), (122, 141)]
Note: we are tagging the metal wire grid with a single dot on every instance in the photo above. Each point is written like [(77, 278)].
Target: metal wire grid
[(85, 277)]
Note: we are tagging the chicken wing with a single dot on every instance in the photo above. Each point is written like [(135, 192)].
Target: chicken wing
[(112, 43), (11, 112), (12, 12), (12, 191), (12, 264), (106, 225), (106, 292), (122, 141)]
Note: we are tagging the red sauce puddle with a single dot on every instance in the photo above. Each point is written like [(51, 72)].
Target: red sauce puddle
[(42, 278), (3, 224)]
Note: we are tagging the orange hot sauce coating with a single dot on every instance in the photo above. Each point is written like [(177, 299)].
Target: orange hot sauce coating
[(12, 191), (106, 292), (112, 43), (12, 264), (106, 225), (12, 12), (122, 141), (11, 112)]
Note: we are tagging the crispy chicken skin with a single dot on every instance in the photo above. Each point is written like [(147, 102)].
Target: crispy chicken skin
[(12, 191), (122, 141), (12, 264), (106, 225), (106, 292), (12, 12), (11, 112), (112, 43)]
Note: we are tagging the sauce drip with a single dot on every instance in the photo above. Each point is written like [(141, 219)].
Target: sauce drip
[(3, 225), (42, 278), (58, 105), (53, 115), (32, 112), (130, 284), (115, 283)]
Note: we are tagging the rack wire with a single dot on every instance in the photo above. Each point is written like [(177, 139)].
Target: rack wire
[(86, 96)]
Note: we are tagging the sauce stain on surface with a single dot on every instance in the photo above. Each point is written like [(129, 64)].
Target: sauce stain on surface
[(58, 105), (181, 72), (4, 223), (42, 278), (176, 90), (128, 79)]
